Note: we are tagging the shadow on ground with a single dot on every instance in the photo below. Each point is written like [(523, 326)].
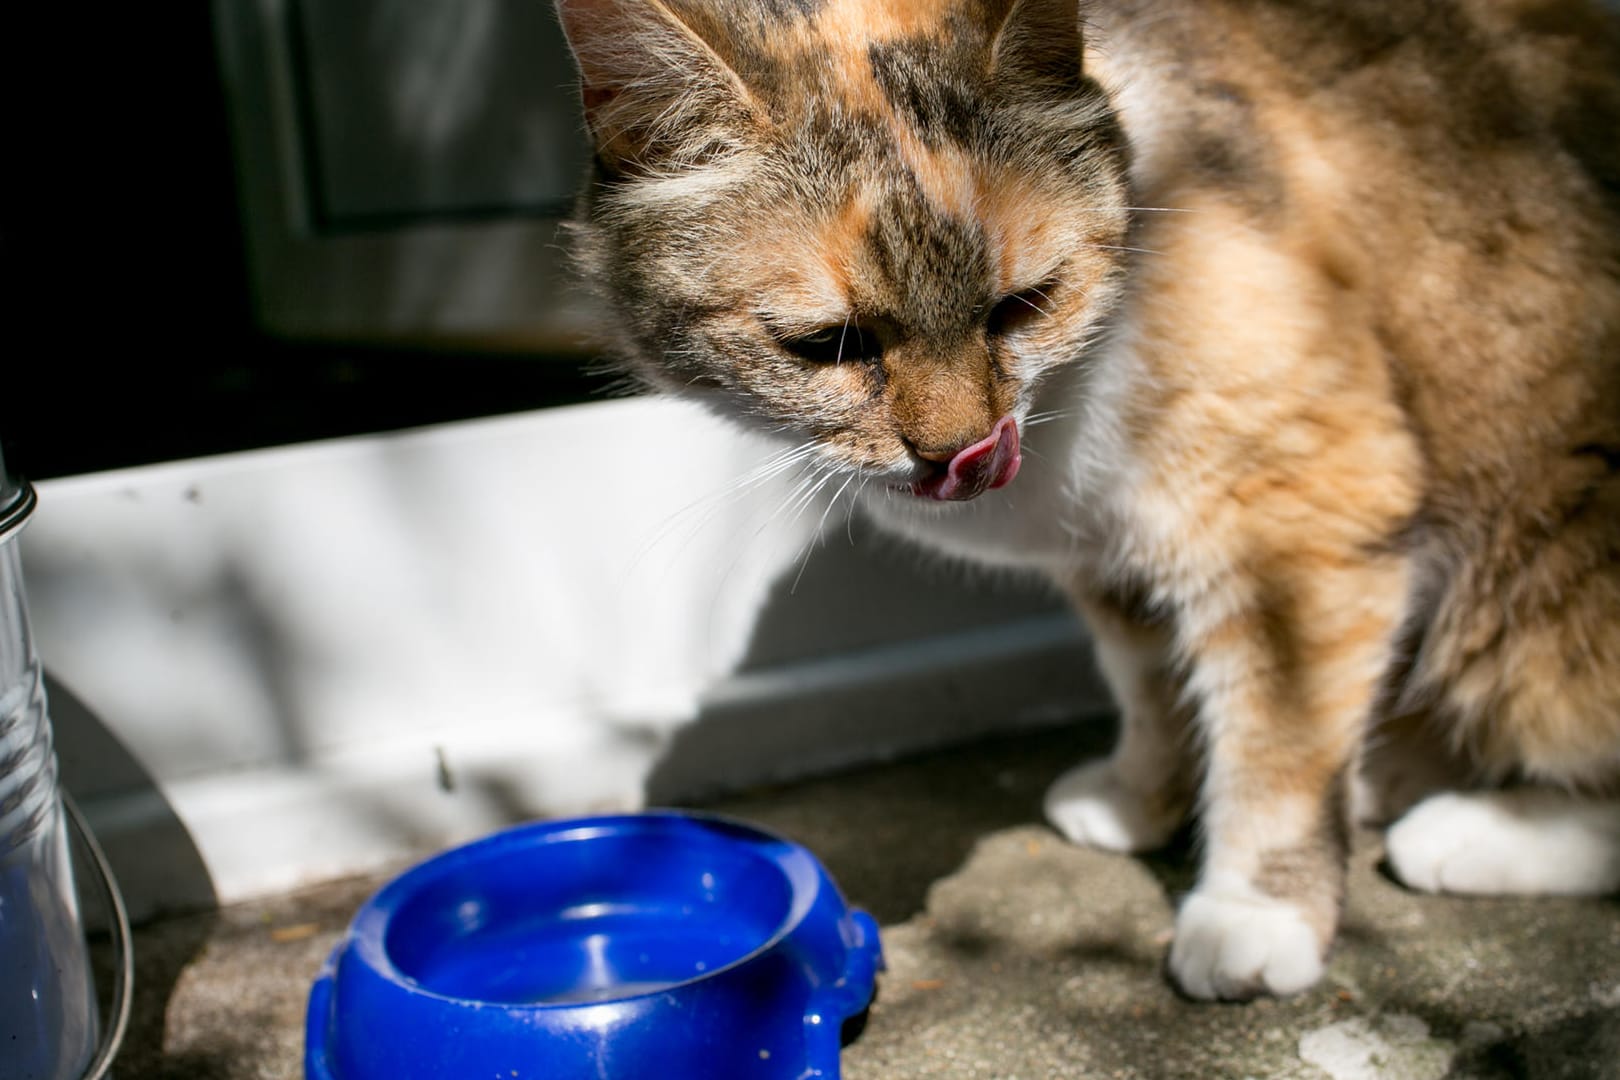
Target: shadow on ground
[(888, 833)]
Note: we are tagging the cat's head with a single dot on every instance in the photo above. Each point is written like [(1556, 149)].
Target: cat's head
[(871, 224)]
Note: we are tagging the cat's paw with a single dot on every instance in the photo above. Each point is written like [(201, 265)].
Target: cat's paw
[(1236, 947), (1507, 843), (1091, 806)]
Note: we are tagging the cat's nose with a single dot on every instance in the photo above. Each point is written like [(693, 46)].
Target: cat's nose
[(938, 457), (943, 449)]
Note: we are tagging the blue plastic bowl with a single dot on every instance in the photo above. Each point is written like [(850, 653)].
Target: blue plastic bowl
[(660, 945)]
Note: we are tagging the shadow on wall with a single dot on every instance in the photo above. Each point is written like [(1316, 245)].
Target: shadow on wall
[(867, 649)]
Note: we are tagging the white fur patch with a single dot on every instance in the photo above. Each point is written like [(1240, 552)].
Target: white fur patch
[(1233, 946), (1090, 807), (1508, 842), (685, 188)]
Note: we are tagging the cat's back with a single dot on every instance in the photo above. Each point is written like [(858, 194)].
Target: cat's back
[(1461, 78), (1450, 169)]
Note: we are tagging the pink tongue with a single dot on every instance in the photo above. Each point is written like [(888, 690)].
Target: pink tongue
[(989, 463)]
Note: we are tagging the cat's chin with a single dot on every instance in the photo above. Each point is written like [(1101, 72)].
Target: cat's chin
[(992, 462)]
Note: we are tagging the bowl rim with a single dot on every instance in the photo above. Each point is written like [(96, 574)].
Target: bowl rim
[(367, 935)]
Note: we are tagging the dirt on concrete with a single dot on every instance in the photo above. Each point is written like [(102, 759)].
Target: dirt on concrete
[(1013, 955)]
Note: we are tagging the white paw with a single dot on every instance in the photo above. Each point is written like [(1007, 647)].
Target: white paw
[(1089, 805), (1507, 843), (1236, 947)]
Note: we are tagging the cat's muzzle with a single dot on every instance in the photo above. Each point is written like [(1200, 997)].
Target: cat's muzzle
[(991, 462)]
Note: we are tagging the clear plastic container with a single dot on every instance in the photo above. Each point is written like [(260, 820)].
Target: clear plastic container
[(48, 1021)]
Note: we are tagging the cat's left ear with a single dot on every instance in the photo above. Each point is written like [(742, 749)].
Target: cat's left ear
[(653, 90), (1037, 42)]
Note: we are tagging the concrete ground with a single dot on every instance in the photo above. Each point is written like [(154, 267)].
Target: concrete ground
[(1012, 955)]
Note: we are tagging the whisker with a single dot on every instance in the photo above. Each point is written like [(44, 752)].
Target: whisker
[(809, 496), (1121, 247), (776, 465), (1049, 310), (707, 506), (1138, 209), (807, 474), (849, 514), (1035, 419), (803, 491), (816, 535), (832, 502)]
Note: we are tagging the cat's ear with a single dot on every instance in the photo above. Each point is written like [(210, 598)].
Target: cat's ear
[(653, 90), (1037, 42)]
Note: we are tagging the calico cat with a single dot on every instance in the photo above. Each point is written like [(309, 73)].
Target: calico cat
[(1284, 335)]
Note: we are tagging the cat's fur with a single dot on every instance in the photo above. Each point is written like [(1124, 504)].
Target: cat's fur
[(1320, 407)]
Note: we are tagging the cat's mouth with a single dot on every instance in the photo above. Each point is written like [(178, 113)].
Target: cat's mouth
[(991, 462)]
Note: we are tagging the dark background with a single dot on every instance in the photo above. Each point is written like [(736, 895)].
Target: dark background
[(128, 329)]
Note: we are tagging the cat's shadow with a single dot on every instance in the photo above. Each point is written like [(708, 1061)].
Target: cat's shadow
[(886, 833), (889, 833)]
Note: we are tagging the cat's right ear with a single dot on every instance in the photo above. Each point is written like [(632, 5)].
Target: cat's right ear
[(1037, 42), (654, 92)]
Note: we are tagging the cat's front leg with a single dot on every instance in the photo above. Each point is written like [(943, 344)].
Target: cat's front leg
[(1286, 668), (1135, 799)]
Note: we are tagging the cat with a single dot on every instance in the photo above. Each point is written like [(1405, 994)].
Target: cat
[(1284, 337)]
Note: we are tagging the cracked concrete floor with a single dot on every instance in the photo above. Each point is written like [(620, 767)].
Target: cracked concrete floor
[(1012, 955)]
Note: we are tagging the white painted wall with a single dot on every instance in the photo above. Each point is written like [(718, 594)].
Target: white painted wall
[(280, 666)]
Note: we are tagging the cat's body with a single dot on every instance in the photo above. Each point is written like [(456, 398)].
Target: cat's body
[(1285, 337)]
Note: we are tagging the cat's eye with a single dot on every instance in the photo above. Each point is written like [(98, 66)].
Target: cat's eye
[(835, 343), (1018, 310)]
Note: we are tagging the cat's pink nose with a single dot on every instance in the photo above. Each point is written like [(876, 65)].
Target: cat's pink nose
[(991, 462)]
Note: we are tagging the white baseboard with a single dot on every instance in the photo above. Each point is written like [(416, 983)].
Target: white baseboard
[(236, 836)]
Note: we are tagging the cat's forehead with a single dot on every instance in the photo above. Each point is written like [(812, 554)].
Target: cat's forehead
[(872, 54), (881, 148), (918, 230), (927, 249), (858, 20)]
